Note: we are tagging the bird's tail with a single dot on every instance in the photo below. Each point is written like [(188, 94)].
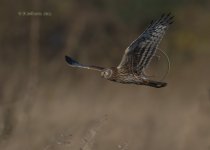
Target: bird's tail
[(155, 84)]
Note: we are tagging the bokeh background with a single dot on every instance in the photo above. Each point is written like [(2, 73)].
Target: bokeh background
[(46, 105)]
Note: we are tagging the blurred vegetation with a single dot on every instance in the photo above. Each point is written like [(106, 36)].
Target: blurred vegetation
[(76, 27), (32, 48)]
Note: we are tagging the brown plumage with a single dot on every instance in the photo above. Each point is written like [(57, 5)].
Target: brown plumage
[(136, 57)]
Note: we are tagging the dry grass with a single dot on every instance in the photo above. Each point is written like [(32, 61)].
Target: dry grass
[(67, 114), (45, 105)]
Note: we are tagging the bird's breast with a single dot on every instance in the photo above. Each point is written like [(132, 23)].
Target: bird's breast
[(124, 76)]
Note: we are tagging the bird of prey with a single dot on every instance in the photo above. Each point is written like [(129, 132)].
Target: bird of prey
[(136, 58)]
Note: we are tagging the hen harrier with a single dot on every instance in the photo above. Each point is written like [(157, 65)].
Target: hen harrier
[(136, 57)]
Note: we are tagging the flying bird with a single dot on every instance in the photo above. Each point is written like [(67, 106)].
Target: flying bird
[(136, 58)]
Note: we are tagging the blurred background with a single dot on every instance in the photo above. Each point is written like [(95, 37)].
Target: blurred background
[(46, 105)]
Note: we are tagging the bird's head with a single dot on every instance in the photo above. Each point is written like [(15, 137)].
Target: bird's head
[(106, 73)]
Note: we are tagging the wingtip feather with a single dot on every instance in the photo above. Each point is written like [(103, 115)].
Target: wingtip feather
[(70, 61)]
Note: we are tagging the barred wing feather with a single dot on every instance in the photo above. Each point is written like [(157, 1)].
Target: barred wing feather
[(141, 51)]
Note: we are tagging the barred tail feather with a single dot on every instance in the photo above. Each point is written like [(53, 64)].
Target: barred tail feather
[(155, 84)]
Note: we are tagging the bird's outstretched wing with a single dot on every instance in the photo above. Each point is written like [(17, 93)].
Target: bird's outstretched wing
[(74, 63), (140, 52)]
